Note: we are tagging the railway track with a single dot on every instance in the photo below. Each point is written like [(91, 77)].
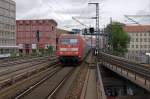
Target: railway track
[(6, 70), (46, 88), (134, 72), (132, 67), (44, 82), (29, 80), (10, 76), (21, 61), (6, 60), (140, 69), (47, 84), (16, 67)]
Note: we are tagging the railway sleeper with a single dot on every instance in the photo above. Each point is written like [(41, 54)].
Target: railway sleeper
[(14, 79)]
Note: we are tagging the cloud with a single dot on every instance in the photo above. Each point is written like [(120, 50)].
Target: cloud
[(63, 10)]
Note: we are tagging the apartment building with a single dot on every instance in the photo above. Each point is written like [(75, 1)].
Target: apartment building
[(7, 27), (139, 43)]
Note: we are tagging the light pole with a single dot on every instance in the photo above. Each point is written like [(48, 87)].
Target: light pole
[(97, 23)]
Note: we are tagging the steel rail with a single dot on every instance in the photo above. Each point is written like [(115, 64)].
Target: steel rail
[(37, 84), (52, 93), (21, 85), (18, 74), (12, 63), (133, 67), (128, 66)]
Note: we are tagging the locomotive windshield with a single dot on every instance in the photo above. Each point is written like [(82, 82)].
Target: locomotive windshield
[(69, 41)]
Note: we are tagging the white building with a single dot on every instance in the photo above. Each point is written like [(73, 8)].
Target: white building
[(139, 43), (7, 27)]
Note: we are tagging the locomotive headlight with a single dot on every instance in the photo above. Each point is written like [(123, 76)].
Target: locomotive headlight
[(61, 53), (76, 53)]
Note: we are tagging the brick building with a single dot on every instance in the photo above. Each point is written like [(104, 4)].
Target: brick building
[(27, 34), (7, 28), (139, 43)]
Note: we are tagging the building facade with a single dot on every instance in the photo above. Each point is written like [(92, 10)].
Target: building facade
[(27, 35), (7, 28), (139, 42)]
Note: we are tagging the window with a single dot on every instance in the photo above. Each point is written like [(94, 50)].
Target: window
[(52, 28), (141, 34), (132, 40), (145, 39), (137, 46), (137, 40), (144, 34), (141, 40), (136, 34), (128, 46), (69, 41), (2, 34), (132, 46)]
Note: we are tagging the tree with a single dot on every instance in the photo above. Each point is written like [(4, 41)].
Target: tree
[(50, 50), (118, 38)]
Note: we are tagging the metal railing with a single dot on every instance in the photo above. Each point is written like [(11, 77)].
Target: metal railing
[(134, 72), (100, 87)]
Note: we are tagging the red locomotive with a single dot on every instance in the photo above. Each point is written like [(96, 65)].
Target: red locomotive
[(71, 48)]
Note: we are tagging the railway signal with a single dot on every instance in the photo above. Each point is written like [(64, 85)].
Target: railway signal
[(89, 31), (84, 32), (92, 30)]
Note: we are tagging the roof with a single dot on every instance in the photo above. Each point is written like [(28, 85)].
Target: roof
[(69, 35), (62, 31), (137, 28), (8, 46), (37, 20)]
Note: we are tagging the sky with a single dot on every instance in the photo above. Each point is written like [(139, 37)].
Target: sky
[(63, 10)]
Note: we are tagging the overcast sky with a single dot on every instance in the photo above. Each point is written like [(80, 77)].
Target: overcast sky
[(63, 10)]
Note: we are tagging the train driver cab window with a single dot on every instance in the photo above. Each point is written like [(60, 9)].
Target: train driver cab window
[(73, 41), (69, 41)]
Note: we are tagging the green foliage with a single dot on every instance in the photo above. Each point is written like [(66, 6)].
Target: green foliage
[(13, 55), (34, 52), (50, 50), (118, 39)]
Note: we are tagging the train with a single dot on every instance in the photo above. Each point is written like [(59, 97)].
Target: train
[(71, 48)]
